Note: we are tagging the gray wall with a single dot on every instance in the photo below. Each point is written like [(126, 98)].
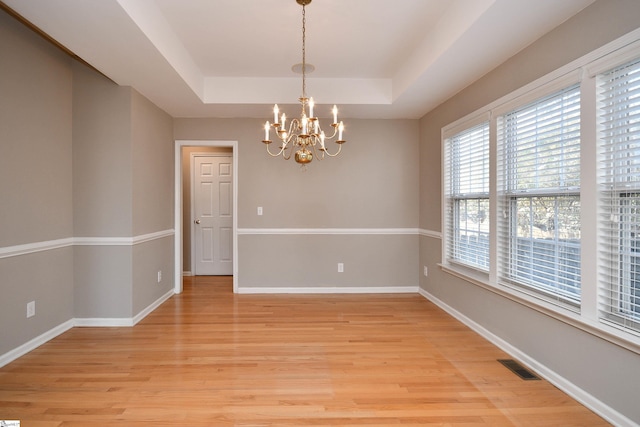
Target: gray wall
[(84, 163), (372, 184), (152, 149), (102, 171), (35, 127), (123, 188), (102, 161), (35, 183), (608, 372)]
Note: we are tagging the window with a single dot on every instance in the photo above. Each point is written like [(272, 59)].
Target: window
[(467, 196), (539, 196), (619, 225)]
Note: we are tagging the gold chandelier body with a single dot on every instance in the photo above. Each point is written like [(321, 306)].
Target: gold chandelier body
[(303, 136)]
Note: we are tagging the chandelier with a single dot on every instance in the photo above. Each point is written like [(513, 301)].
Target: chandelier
[(304, 136)]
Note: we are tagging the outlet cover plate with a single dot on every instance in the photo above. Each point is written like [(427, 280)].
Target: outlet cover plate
[(31, 309)]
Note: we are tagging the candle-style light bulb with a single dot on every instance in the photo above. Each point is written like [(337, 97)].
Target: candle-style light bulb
[(304, 124), (275, 114), (322, 136), (284, 118), (335, 114), (266, 130), (340, 129)]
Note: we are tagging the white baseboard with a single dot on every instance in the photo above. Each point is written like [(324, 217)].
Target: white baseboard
[(25, 348), (12, 355), (144, 313), (111, 322), (332, 290), (187, 273), (596, 405), (103, 322)]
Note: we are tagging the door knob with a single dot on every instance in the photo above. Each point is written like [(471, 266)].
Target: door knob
[(197, 221)]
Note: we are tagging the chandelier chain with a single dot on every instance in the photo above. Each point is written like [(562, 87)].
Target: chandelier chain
[(304, 53)]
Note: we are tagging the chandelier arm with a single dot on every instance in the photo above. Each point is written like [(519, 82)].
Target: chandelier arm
[(335, 131), (287, 148), (313, 148), (336, 153), (292, 139), (293, 126), (276, 154)]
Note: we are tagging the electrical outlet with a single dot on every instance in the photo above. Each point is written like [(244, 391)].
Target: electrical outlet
[(159, 276), (426, 271), (340, 267), (31, 309), (259, 210)]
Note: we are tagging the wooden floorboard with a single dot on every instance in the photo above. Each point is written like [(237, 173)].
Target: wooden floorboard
[(208, 357)]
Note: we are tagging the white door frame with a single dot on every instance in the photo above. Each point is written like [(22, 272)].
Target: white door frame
[(177, 223)]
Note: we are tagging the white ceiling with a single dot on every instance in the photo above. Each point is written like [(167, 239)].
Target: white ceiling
[(232, 58)]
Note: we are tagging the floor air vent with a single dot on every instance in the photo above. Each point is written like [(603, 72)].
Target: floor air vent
[(518, 369)]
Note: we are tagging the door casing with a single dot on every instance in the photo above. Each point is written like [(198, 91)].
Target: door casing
[(178, 214)]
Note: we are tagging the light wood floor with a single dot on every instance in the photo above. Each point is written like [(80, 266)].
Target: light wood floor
[(208, 357)]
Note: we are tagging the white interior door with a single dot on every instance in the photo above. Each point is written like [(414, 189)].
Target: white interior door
[(213, 214)]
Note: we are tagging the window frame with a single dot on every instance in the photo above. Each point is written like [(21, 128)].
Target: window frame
[(620, 196), (510, 192), (452, 198)]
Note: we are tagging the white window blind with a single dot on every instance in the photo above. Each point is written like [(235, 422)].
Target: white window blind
[(619, 219), (539, 196), (467, 197)]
